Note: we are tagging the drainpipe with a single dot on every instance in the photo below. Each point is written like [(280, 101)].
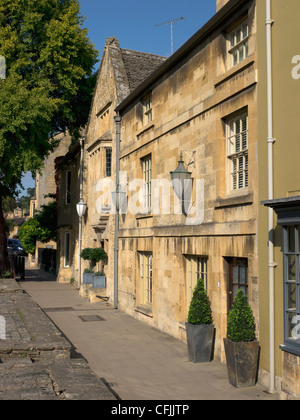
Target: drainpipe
[(116, 243), (270, 142), (80, 217)]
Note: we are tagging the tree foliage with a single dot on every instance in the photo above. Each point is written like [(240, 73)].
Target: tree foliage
[(93, 254), (48, 86), (200, 311), (240, 322), (49, 62), (42, 227), (28, 234)]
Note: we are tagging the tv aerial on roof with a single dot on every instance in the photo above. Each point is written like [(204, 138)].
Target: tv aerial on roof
[(171, 22)]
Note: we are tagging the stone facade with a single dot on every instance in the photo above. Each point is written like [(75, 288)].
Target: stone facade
[(67, 217), (44, 185), (195, 98), (120, 72), (205, 106)]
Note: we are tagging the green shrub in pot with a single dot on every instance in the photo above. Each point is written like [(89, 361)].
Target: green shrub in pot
[(199, 326)]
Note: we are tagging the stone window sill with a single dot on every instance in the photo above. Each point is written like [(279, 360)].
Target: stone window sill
[(240, 200), (144, 129), (144, 310), (234, 70), (143, 215), (290, 349)]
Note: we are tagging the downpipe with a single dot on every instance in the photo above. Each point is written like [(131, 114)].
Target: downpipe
[(270, 143), (116, 233)]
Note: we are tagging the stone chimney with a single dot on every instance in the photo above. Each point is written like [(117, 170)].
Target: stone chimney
[(221, 3), (112, 41)]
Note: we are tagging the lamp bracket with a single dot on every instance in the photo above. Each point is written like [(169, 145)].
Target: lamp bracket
[(191, 156)]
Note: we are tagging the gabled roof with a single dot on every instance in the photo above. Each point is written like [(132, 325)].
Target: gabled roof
[(213, 24), (130, 69), (139, 65)]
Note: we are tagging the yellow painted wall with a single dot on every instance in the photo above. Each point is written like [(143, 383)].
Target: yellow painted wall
[(286, 102)]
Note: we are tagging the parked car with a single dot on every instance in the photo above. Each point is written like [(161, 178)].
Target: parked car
[(14, 247)]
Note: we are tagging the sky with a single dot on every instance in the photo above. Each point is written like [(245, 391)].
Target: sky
[(134, 24)]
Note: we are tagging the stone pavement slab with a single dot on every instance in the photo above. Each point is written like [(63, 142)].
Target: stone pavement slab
[(28, 330)]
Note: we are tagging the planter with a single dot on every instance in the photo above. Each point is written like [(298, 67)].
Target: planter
[(200, 342), (88, 278), (242, 362), (99, 282)]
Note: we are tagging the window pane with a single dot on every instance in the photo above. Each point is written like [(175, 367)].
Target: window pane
[(238, 143), (235, 274), (291, 296), (243, 275), (291, 239), (235, 57), (108, 161), (232, 43), (291, 324), (241, 53), (291, 267), (235, 290), (246, 49)]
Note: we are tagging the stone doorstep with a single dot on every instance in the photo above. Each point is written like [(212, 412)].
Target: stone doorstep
[(97, 295), (87, 291)]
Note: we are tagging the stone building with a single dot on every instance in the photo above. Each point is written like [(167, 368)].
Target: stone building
[(45, 189), (199, 106), (68, 192), (121, 71), (214, 106)]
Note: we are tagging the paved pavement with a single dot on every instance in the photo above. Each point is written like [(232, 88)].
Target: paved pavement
[(135, 361), (37, 362)]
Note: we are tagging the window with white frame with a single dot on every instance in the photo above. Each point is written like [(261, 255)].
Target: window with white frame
[(237, 151), (147, 173), (145, 279), (148, 109), (67, 249), (238, 44), (196, 268)]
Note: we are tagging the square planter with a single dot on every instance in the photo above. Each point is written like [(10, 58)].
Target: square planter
[(99, 282), (88, 278), (242, 362), (200, 342)]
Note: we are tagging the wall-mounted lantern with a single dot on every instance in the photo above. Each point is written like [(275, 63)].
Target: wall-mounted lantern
[(179, 178)]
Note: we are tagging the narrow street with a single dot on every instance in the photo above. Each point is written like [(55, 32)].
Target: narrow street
[(138, 362)]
